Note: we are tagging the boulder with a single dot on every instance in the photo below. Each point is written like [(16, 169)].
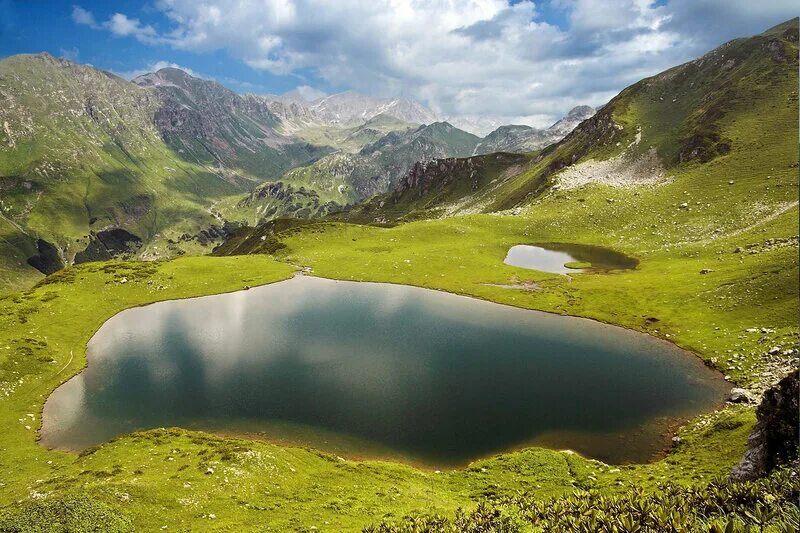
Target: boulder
[(774, 441), (738, 395)]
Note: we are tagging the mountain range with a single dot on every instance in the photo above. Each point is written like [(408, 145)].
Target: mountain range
[(93, 166), (520, 138), (701, 117), (350, 108)]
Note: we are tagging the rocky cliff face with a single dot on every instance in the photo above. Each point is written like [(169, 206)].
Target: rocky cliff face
[(775, 439), (293, 116), (209, 124), (444, 186), (427, 176)]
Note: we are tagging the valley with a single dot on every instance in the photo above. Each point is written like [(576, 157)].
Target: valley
[(675, 206), (176, 161)]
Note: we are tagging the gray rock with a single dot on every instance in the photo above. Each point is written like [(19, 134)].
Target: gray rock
[(738, 395), (774, 441)]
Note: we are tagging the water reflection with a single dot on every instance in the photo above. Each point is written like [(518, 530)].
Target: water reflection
[(551, 257), (429, 376)]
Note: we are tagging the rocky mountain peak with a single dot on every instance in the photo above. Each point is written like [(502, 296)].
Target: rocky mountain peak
[(581, 111), (175, 77), (521, 138)]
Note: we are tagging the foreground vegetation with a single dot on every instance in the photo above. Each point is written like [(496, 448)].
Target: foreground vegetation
[(769, 504)]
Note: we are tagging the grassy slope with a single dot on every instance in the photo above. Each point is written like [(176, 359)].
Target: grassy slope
[(64, 171), (741, 95), (15, 248), (79, 152)]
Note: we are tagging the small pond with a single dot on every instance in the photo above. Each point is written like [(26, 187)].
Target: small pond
[(377, 370), (553, 257)]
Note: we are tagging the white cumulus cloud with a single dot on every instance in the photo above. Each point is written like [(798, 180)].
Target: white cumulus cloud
[(310, 93), (122, 26), (83, 17), (461, 57)]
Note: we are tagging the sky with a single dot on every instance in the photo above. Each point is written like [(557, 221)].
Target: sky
[(530, 60)]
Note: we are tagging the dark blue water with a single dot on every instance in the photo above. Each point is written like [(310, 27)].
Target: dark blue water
[(379, 370)]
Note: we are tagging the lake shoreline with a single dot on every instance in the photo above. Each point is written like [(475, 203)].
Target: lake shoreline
[(301, 273)]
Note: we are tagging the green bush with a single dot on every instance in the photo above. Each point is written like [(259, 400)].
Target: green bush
[(71, 514), (766, 505)]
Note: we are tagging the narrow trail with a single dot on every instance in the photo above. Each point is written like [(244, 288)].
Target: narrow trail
[(14, 224), (71, 356)]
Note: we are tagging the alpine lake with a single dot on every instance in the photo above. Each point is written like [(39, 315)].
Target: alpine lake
[(369, 370)]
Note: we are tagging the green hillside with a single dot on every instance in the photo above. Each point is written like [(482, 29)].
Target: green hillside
[(728, 116), (82, 153)]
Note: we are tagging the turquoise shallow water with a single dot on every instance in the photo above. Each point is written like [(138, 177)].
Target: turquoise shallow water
[(379, 370)]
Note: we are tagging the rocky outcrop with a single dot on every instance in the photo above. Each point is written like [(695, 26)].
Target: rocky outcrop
[(48, 259), (442, 173), (109, 244), (423, 177), (212, 234), (738, 395), (282, 199), (774, 441)]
